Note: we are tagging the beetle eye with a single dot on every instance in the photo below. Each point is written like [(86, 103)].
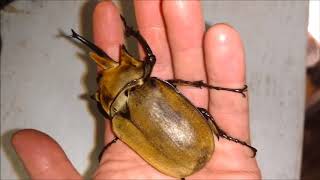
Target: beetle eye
[(99, 76)]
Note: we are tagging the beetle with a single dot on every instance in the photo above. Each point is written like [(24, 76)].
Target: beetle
[(150, 115)]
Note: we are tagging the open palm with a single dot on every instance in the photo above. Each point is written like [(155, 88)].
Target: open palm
[(175, 32)]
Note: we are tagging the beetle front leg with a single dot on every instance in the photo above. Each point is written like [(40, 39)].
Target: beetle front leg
[(91, 45), (200, 84), (106, 147), (220, 133), (150, 59)]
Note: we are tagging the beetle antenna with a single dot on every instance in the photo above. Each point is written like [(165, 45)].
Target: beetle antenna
[(91, 45)]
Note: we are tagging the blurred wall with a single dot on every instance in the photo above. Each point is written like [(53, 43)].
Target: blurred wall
[(46, 79)]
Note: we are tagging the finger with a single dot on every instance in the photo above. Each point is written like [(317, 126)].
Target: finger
[(107, 28), (42, 157), (185, 29), (151, 26), (225, 65), (108, 34)]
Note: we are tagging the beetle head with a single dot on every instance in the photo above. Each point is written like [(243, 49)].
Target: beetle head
[(115, 76)]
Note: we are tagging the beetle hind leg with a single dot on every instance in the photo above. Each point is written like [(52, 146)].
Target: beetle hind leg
[(220, 133), (106, 147), (200, 84)]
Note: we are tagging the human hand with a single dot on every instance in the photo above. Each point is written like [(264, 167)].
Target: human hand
[(175, 32)]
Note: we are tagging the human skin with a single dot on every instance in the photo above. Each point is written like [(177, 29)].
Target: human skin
[(175, 31)]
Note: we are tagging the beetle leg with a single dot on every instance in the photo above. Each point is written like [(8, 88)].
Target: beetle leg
[(106, 147), (150, 59), (200, 84), (91, 45), (210, 121), (220, 133)]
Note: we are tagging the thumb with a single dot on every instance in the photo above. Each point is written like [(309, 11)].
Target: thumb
[(42, 157)]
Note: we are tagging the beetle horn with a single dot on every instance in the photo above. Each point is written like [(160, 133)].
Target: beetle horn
[(102, 62)]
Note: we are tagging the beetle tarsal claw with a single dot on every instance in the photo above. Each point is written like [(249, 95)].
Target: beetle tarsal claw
[(224, 135), (89, 44), (74, 34), (220, 133), (241, 91)]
